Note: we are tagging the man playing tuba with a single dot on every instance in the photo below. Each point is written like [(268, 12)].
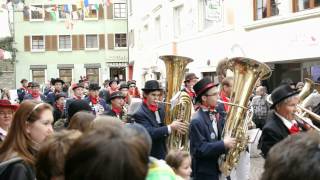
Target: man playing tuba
[(205, 133)]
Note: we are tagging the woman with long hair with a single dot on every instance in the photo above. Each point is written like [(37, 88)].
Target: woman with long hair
[(31, 125)]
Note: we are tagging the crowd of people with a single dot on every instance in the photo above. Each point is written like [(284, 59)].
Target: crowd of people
[(119, 132)]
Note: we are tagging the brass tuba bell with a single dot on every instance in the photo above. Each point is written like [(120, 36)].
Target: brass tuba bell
[(246, 73), (175, 70)]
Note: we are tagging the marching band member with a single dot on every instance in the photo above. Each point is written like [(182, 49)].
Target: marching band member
[(117, 101), (189, 81), (35, 93), (124, 88), (151, 115), (281, 122), (205, 133), (98, 105), (57, 83), (133, 89)]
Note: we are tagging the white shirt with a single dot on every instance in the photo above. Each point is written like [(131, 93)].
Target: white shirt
[(3, 134), (285, 121)]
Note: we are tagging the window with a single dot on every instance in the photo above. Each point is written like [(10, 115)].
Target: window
[(265, 8), (38, 76), (93, 74), (65, 75), (36, 12), (300, 5), (65, 42), (92, 41), (177, 15), (210, 13), (63, 10), (91, 12), (37, 43), (120, 40), (120, 10)]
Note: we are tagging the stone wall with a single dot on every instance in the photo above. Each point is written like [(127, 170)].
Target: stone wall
[(7, 77)]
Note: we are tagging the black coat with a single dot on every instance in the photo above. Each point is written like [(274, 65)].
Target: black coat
[(29, 97), (158, 132), (205, 149), (18, 171), (273, 132), (109, 112)]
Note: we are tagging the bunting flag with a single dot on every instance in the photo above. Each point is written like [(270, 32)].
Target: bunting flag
[(86, 3)]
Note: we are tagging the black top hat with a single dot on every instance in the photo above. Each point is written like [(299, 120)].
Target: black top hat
[(190, 76), (94, 86), (117, 94), (78, 105), (202, 87), (151, 85), (54, 81), (123, 85), (280, 93), (111, 81), (34, 84)]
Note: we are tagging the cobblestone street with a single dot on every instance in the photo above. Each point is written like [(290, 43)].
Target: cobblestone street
[(256, 168)]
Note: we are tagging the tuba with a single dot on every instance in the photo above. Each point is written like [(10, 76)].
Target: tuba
[(175, 70), (246, 73), (306, 90)]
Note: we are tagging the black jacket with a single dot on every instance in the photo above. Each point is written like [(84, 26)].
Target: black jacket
[(205, 149), (158, 132), (17, 170)]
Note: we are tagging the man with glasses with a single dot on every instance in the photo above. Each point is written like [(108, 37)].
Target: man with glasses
[(6, 115), (151, 115), (205, 130)]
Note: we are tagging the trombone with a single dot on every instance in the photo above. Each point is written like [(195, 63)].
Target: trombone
[(305, 120)]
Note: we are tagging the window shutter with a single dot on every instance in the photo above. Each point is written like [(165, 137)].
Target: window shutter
[(27, 43), (101, 41), (74, 7), (110, 41), (101, 12), (75, 42), (48, 43), (110, 12), (81, 42), (54, 42), (26, 15)]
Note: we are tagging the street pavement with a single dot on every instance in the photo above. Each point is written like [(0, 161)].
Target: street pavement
[(256, 167)]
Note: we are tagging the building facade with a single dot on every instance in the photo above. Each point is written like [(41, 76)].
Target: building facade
[(281, 33), (71, 39)]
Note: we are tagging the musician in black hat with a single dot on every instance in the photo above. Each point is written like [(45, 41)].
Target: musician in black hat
[(189, 81), (57, 83), (205, 133), (281, 122), (110, 87), (151, 115), (98, 105), (35, 93), (117, 101)]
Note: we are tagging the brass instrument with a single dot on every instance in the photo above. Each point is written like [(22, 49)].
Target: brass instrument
[(246, 74), (306, 90), (175, 70), (310, 113)]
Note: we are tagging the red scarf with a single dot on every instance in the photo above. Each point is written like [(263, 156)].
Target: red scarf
[(191, 93), (210, 109), (112, 90), (225, 99), (116, 110), (151, 107), (294, 129), (35, 94), (94, 100)]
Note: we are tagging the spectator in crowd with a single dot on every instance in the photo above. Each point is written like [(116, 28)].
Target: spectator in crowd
[(51, 156), (23, 90), (180, 162), (297, 157), (81, 121), (31, 125), (6, 113), (5, 94), (260, 107)]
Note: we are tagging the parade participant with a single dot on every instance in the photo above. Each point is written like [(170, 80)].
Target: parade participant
[(59, 107), (296, 157), (151, 115), (281, 122), (51, 156), (111, 87), (124, 88), (205, 133), (35, 93), (57, 83), (189, 81), (6, 114), (117, 102), (30, 127), (226, 88), (98, 105), (180, 162), (133, 89), (23, 90), (74, 107), (77, 94)]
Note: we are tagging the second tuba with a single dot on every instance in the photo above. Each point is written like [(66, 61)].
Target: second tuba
[(175, 70), (246, 73)]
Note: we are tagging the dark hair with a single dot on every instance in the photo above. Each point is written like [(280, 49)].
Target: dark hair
[(51, 157), (297, 157), (81, 121), (107, 152), (18, 141), (175, 158)]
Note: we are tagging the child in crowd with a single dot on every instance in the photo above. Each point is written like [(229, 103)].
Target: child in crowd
[(180, 162)]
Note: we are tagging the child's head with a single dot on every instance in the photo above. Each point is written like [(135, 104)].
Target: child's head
[(180, 162)]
